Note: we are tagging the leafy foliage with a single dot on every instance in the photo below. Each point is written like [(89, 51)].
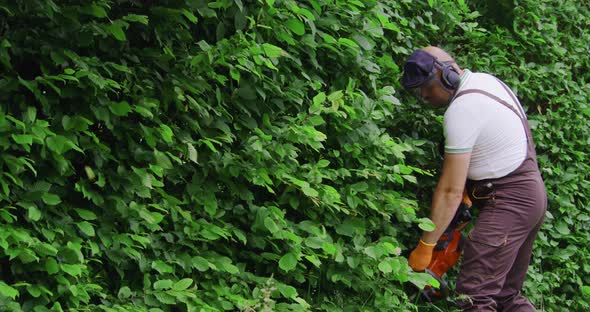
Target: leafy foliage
[(255, 155)]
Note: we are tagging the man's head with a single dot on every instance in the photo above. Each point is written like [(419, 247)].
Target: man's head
[(434, 73)]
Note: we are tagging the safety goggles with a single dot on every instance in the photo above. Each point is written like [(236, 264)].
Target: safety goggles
[(419, 69)]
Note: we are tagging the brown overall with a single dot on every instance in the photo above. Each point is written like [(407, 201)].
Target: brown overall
[(498, 251)]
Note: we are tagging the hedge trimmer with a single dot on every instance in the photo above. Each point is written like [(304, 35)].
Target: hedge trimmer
[(447, 251)]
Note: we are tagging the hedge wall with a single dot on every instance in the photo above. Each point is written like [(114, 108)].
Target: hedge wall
[(260, 155)]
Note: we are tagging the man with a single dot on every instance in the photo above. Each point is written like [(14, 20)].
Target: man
[(489, 151)]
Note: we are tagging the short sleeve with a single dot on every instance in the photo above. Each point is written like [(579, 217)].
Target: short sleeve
[(462, 126)]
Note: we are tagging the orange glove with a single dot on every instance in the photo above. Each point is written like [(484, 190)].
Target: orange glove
[(466, 200), (421, 255)]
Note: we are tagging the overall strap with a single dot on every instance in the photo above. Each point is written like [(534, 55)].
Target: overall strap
[(520, 115), (530, 162), (514, 99), (520, 112)]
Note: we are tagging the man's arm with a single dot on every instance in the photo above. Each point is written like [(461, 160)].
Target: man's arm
[(448, 194)]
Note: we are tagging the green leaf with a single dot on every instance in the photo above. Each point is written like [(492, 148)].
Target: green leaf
[(210, 204), (314, 260), (314, 242), (143, 112), (352, 262), (421, 280), (364, 42), (385, 267), (272, 50), (318, 100), (90, 173), (45, 249), (120, 108), (350, 227), (209, 145), (163, 284), (51, 266), (288, 262), (61, 144), (235, 74), (316, 6), (189, 15), (166, 133), (316, 120), (162, 267), (72, 269), (31, 114), (348, 43), (124, 292), (143, 19), (86, 228), (247, 92), (23, 139), (225, 264), (374, 252), (426, 224), (287, 291), (329, 248), (192, 153), (331, 195), (182, 284), (165, 298), (410, 178), (34, 290), (32, 86), (116, 29), (94, 10), (200, 263), (296, 26), (307, 190), (77, 123), (562, 228), (85, 214), (270, 225), (27, 255), (72, 253), (8, 291), (586, 291), (240, 236), (34, 213), (51, 199), (240, 5), (360, 187)]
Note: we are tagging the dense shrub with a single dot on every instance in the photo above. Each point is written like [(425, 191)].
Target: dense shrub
[(260, 155)]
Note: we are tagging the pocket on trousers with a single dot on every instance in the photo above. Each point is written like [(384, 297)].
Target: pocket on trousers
[(482, 195), (490, 230), (493, 239), (483, 192)]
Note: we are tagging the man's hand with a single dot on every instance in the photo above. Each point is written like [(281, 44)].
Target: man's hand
[(421, 256)]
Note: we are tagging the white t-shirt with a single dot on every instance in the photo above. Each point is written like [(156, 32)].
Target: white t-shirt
[(493, 133)]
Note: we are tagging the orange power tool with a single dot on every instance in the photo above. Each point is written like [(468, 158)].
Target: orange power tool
[(447, 251)]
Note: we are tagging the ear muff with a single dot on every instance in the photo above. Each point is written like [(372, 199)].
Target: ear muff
[(450, 77)]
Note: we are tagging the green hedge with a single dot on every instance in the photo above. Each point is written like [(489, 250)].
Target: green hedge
[(261, 155)]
